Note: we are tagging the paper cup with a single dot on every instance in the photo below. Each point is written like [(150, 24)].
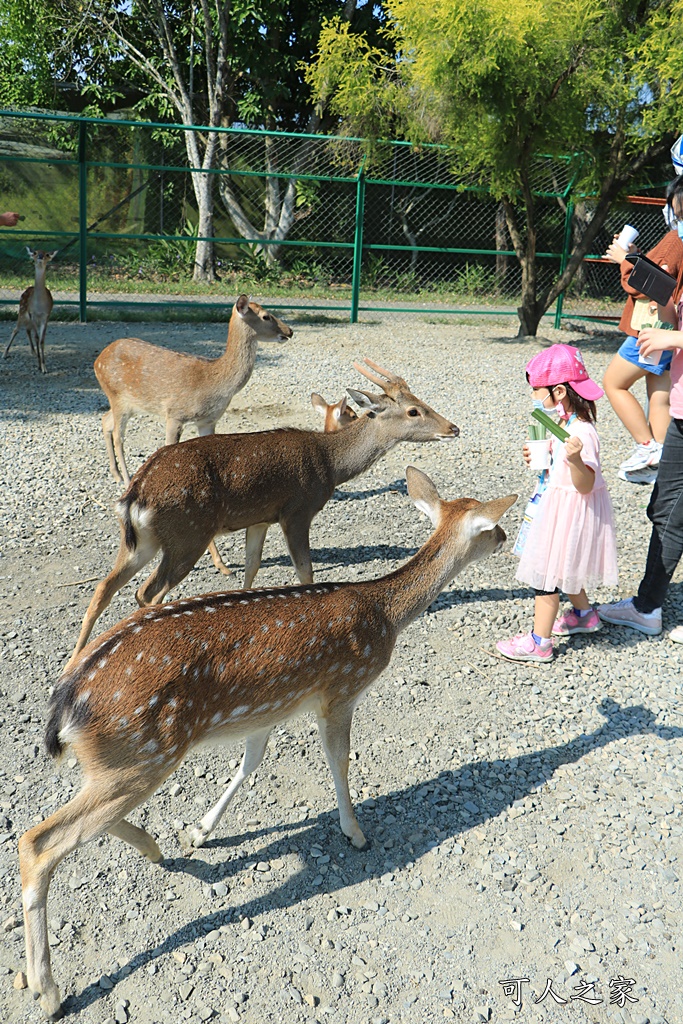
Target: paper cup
[(651, 360), (539, 452), (628, 235)]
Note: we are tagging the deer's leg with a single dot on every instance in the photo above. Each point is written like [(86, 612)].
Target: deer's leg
[(174, 429), (119, 424), (97, 808), (297, 537), (108, 423), (126, 565), (217, 560), (335, 733), (253, 755), (256, 536), (40, 345), (137, 837), (9, 343), (169, 572), (206, 427)]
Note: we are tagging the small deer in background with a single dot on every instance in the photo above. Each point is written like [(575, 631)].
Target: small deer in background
[(219, 667), (336, 416), (35, 306), (179, 388), (187, 494)]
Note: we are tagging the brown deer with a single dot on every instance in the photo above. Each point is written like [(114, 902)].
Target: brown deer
[(219, 667), (176, 387), (336, 416), (189, 493), (35, 306)]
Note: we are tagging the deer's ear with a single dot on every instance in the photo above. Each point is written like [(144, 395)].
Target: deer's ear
[(339, 408), (242, 305), (485, 516), (319, 403), (424, 494), (364, 400)]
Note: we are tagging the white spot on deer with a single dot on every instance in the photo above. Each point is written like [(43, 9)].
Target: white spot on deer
[(188, 612), (237, 645), (209, 608), (82, 697), (116, 647), (240, 711), (150, 747), (264, 628), (172, 703), (347, 668), (216, 718), (152, 659), (138, 711), (221, 637), (166, 660), (123, 723), (102, 662), (92, 675), (367, 651), (153, 701), (137, 629), (117, 695)]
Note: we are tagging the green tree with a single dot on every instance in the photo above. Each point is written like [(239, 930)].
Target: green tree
[(503, 83), (192, 61)]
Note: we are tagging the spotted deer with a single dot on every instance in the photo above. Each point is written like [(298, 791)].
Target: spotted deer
[(219, 667), (189, 493), (35, 306), (336, 416), (179, 388)]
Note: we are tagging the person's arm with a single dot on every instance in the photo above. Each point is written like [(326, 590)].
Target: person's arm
[(583, 477), (9, 219)]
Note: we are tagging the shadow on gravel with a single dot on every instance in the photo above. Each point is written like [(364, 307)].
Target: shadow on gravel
[(434, 818)]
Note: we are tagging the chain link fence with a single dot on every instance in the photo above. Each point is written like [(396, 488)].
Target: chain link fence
[(302, 222)]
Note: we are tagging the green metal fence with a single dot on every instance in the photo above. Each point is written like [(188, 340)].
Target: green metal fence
[(115, 199)]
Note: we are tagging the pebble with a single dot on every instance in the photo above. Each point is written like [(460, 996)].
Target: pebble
[(482, 785)]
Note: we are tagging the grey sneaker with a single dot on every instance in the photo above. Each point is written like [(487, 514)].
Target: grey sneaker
[(639, 476), (624, 613)]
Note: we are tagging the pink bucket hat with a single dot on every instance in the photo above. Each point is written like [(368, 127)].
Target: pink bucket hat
[(562, 364)]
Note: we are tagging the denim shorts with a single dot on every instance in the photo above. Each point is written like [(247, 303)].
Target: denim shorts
[(629, 351)]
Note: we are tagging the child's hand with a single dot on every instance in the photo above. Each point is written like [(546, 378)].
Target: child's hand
[(573, 447), (653, 339), (526, 454)]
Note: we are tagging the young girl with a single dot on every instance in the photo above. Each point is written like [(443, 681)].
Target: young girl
[(571, 542)]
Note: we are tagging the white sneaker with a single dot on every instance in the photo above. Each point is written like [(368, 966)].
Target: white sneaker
[(639, 476), (642, 456)]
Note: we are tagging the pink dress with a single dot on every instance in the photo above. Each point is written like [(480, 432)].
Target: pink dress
[(572, 541)]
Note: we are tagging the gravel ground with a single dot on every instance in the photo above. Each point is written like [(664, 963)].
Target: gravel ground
[(524, 820)]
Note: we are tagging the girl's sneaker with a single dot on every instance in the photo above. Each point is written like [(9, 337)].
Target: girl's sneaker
[(525, 648), (570, 622)]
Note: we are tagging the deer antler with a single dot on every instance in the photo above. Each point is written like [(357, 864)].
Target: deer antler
[(398, 382)]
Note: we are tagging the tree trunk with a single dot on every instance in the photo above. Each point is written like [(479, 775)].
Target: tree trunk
[(202, 183), (501, 244), (204, 260)]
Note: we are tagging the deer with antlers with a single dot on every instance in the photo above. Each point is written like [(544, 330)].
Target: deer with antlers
[(187, 494), (35, 306), (221, 666), (179, 388)]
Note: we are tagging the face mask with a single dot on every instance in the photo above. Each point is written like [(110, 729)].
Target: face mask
[(679, 229), (669, 216), (556, 410)]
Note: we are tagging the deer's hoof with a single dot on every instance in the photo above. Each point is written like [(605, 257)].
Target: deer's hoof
[(198, 837)]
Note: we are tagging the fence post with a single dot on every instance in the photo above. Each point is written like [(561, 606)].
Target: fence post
[(566, 243), (82, 223), (358, 245)]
